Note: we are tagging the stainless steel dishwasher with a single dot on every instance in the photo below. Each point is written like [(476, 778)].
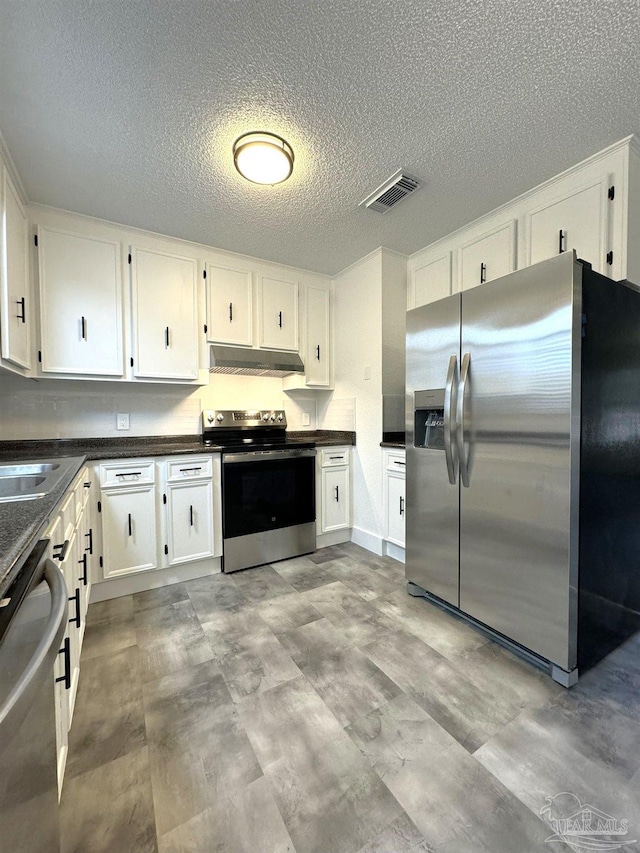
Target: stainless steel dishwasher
[(32, 622)]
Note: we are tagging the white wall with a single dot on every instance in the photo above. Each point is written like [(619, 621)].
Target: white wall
[(358, 323)]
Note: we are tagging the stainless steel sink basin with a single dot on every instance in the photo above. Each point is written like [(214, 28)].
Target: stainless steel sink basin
[(22, 481)]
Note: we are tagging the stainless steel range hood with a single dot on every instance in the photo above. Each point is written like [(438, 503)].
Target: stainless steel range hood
[(254, 362)]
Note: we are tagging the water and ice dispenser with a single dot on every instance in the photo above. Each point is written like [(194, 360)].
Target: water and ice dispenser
[(428, 427)]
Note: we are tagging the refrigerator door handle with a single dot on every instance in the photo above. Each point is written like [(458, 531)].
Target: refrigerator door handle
[(449, 410), (462, 388)]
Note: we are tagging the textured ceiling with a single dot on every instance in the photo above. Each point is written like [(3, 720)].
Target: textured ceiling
[(128, 110)]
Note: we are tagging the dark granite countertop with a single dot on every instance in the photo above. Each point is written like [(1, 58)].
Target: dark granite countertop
[(22, 523), (393, 439), (137, 446)]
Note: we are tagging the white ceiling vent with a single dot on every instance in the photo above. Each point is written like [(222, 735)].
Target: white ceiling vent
[(392, 192)]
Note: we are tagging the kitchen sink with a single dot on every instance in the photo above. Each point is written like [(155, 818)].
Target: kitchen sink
[(21, 481)]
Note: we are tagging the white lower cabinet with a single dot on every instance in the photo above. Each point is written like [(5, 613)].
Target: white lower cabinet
[(159, 512), (68, 548), (129, 530), (189, 521), (394, 496), (334, 474)]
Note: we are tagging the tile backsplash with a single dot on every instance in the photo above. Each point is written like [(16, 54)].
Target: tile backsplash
[(53, 408)]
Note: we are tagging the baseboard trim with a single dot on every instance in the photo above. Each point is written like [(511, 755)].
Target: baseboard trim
[(371, 541), (141, 581), (334, 537), (394, 551)]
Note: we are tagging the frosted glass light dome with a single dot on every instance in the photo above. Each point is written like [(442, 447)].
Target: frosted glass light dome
[(263, 158)]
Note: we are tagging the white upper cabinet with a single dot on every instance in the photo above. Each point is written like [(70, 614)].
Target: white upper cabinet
[(165, 315), (576, 221), (489, 256), (317, 362), (592, 208), (278, 314), (15, 293), (80, 282), (229, 306), (430, 279)]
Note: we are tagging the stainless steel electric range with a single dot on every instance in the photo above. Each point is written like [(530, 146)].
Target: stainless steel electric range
[(268, 487)]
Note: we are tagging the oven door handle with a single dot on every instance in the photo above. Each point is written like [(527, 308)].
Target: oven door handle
[(266, 455)]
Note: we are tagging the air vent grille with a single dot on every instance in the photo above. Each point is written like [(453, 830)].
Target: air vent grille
[(396, 188)]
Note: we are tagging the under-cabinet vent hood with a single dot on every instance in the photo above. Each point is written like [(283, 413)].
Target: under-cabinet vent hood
[(254, 362)]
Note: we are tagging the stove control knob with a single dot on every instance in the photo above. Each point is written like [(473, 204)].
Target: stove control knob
[(280, 417), (273, 416), (265, 416), (210, 419), (219, 417)]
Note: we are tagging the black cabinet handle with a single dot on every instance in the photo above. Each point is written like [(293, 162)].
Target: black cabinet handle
[(23, 314), (561, 239), (483, 273), (130, 529), (83, 576), (191, 516), (318, 352), (186, 470), (87, 485), (337, 493), (231, 312), (89, 536), (336, 457), (397, 462), (60, 551), (401, 505), (129, 474), (280, 318), (66, 651), (83, 324), (76, 619), (166, 337)]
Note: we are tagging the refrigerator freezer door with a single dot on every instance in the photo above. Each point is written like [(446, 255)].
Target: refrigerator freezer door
[(520, 440), (432, 508)]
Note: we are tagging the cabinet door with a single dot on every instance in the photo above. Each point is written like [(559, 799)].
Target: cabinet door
[(395, 508), (69, 569), (335, 499), (190, 521), (488, 257), (577, 221), (432, 281), (129, 530), (165, 315), (278, 314), (15, 330), (317, 365), (229, 306), (80, 304)]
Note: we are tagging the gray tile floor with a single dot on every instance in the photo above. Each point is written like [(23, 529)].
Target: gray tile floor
[(314, 707)]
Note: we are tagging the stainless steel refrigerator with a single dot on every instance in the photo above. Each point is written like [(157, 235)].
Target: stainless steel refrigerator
[(523, 471)]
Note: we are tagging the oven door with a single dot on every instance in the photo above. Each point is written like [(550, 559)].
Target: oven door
[(265, 492)]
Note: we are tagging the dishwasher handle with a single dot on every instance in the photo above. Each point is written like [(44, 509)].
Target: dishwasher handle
[(16, 705)]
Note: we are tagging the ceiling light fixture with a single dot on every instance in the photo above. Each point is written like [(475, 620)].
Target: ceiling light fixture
[(263, 158)]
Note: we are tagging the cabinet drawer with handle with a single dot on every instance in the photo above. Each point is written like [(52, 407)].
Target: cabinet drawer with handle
[(334, 456), (396, 462), (131, 472), (190, 468)]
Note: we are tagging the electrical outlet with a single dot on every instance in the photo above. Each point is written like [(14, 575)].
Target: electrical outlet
[(306, 419), (122, 421)]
